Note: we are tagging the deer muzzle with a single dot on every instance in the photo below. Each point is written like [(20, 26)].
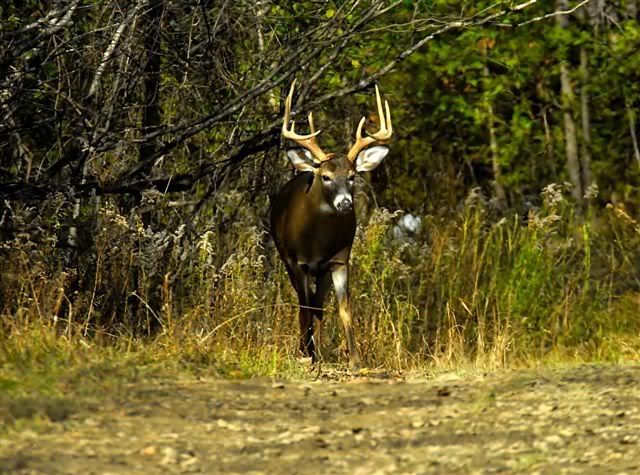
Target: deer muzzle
[(343, 203)]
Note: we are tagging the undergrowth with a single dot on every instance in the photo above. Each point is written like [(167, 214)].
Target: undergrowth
[(475, 289)]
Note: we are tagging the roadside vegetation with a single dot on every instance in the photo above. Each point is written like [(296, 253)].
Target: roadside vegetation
[(467, 293)]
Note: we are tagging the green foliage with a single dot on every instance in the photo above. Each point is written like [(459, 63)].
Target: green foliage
[(443, 94)]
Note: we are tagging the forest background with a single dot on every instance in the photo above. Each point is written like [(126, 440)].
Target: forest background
[(140, 149)]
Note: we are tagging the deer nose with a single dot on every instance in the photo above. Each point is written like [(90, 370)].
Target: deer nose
[(345, 205)]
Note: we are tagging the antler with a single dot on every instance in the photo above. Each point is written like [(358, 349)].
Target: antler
[(306, 141), (382, 135)]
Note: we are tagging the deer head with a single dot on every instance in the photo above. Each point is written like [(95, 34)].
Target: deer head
[(335, 172)]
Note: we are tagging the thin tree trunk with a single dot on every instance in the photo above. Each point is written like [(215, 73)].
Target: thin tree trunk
[(585, 158), (498, 189), (570, 134), (548, 146), (261, 8), (151, 113), (149, 291), (631, 115)]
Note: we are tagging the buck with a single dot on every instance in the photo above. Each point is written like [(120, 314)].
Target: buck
[(313, 220)]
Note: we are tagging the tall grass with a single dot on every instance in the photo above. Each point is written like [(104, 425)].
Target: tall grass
[(472, 288)]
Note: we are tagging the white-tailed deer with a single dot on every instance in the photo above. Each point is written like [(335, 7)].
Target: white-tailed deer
[(313, 221)]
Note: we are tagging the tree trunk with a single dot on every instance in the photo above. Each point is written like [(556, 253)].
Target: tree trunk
[(631, 116), (570, 134), (585, 158), (498, 189), (149, 291), (151, 112)]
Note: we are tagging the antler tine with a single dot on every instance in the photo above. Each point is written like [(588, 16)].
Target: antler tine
[(380, 110), (382, 135), (389, 126), (359, 131), (307, 141), (311, 127)]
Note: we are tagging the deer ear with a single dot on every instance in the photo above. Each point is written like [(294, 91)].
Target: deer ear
[(301, 159), (370, 158)]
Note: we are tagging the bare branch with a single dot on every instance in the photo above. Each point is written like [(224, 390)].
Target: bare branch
[(556, 13), (112, 46)]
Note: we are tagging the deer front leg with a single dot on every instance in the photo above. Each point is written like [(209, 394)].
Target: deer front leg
[(323, 284), (300, 281), (340, 275)]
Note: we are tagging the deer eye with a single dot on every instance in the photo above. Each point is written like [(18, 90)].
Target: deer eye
[(326, 178), (352, 178)]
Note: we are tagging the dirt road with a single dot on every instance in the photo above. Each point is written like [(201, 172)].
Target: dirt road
[(577, 420)]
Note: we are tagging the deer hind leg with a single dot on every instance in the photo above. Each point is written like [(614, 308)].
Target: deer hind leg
[(340, 275)]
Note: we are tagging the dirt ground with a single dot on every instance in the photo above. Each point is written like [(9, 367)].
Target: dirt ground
[(577, 420)]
